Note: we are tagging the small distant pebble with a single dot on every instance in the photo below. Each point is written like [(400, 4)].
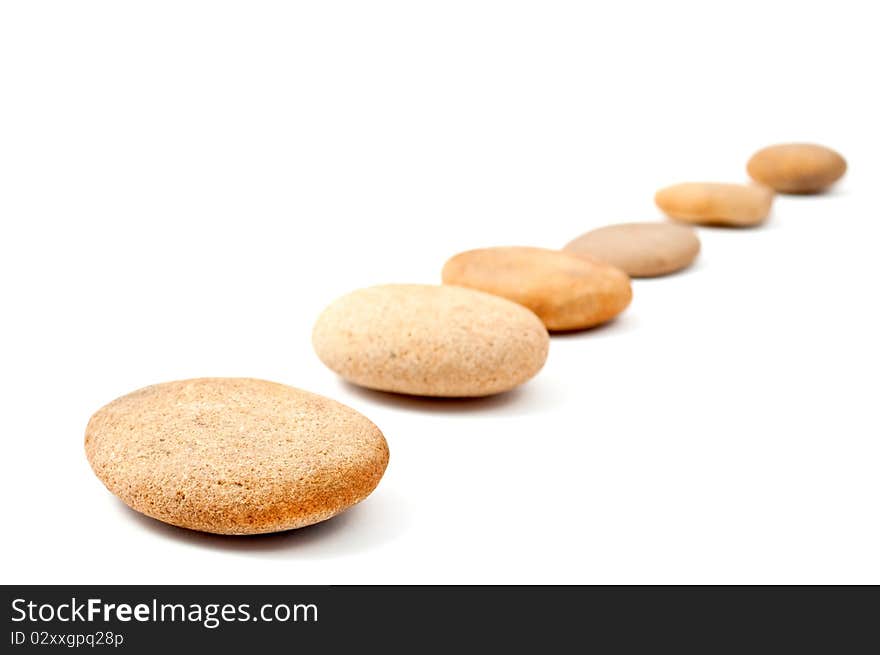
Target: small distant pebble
[(640, 249), (713, 203), (566, 291), (430, 340), (235, 455), (797, 167)]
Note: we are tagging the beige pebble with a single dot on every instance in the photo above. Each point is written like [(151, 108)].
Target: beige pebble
[(430, 340), (640, 249), (234, 455), (797, 167), (713, 203), (567, 292)]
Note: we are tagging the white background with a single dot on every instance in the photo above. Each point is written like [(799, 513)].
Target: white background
[(185, 185)]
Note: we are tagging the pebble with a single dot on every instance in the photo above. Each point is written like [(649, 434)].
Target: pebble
[(640, 249), (566, 291), (234, 455), (797, 167), (713, 203), (430, 340)]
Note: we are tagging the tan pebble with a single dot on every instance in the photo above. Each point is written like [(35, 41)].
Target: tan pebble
[(713, 203), (640, 249), (234, 455), (797, 167), (567, 292), (429, 340)]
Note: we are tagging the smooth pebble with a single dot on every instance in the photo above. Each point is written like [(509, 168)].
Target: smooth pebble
[(566, 291), (714, 203), (797, 167), (640, 249), (430, 340), (234, 455)]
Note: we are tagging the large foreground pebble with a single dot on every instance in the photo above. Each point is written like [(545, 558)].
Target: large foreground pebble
[(234, 455), (713, 203), (430, 340), (797, 167), (640, 249), (566, 291)]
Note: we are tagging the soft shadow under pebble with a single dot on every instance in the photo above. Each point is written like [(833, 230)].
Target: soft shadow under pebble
[(534, 396), (376, 521)]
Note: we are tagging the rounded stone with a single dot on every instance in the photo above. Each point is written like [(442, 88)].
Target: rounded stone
[(234, 455), (714, 203), (797, 167), (430, 340), (566, 291), (640, 249)]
